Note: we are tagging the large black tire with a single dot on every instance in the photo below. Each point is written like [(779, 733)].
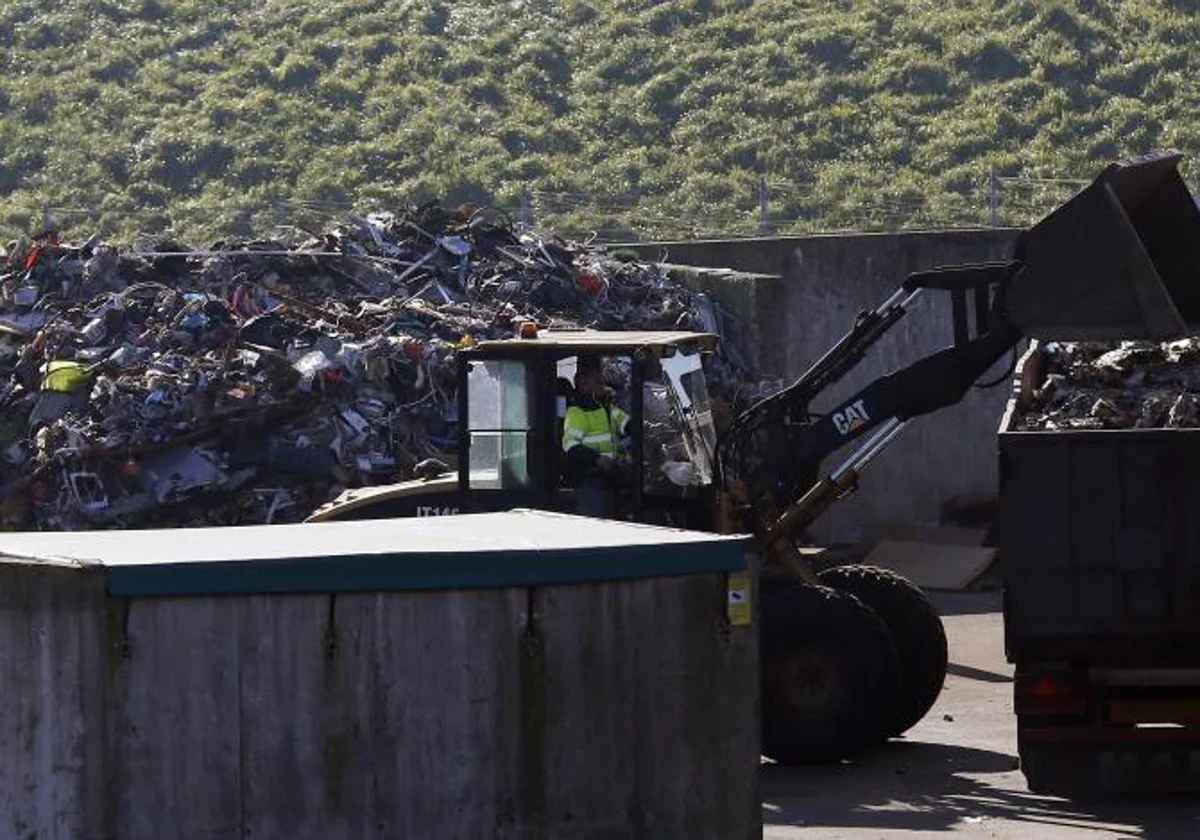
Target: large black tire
[(1056, 769), (828, 670), (916, 628)]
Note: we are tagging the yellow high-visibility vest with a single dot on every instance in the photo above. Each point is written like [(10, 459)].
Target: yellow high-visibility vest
[(593, 429)]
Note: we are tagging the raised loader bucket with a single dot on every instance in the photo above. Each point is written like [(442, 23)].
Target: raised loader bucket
[(1119, 261)]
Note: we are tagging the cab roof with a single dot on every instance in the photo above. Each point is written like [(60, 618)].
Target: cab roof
[(599, 341)]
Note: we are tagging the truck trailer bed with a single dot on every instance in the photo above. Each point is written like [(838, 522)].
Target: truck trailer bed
[(1100, 540)]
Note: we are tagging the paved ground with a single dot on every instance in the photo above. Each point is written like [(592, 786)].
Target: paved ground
[(957, 770)]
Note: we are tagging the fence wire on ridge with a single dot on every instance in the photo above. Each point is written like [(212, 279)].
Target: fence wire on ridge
[(779, 208)]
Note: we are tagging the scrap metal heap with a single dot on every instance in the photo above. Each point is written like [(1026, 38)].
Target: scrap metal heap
[(1127, 385), (252, 381)]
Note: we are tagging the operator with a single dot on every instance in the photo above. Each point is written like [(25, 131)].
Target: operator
[(593, 429)]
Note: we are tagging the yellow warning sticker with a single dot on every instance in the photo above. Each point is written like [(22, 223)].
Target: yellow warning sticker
[(738, 604)]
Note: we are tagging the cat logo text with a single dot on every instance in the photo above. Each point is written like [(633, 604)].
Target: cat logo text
[(850, 418)]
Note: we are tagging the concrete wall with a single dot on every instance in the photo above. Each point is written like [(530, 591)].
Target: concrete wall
[(622, 709), (747, 303), (825, 282)]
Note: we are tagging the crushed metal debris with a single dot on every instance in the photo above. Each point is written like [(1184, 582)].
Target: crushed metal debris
[(250, 382), (1131, 385)]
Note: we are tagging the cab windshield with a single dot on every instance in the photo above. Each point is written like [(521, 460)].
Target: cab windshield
[(680, 436)]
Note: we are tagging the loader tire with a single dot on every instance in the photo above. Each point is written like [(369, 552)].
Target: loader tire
[(917, 631), (829, 669)]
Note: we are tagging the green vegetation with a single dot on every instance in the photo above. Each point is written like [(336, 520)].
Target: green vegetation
[(646, 117)]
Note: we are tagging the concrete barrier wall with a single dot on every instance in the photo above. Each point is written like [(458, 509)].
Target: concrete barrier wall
[(825, 282), (608, 709), (52, 668)]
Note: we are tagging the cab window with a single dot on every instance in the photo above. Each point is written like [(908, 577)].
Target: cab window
[(501, 425)]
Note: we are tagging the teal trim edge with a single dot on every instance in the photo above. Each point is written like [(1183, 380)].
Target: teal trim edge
[(423, 571)]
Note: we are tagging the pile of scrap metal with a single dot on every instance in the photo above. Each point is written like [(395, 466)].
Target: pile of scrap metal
[(1131, 385), (251, 381)]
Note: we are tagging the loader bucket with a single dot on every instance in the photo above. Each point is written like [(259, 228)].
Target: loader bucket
[(1119, 261)]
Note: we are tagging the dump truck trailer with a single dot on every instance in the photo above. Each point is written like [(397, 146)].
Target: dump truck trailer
[(1101, 549)]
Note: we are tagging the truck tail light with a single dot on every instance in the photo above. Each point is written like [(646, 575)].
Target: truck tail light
[(1050, 690)]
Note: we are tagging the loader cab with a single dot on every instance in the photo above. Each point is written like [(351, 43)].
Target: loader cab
[(513, 395), (513, 398)]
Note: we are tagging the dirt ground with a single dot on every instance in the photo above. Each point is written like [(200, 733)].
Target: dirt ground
[(957, 770)]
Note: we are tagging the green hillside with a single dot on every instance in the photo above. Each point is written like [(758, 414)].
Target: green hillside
[(642, 118)]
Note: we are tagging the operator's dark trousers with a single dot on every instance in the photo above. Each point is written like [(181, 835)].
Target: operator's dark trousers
[(597, 494)]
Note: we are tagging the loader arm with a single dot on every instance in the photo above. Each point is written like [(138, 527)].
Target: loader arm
[(776, 447)]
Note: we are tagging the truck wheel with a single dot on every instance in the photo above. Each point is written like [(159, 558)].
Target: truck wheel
[(828, 670), (916, 629), (1054, 769), (1038, 778)]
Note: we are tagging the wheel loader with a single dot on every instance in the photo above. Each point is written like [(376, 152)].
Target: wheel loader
[(852, 655)]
